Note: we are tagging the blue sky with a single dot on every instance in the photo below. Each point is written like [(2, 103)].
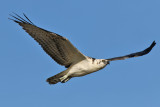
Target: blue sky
[(98, 28)]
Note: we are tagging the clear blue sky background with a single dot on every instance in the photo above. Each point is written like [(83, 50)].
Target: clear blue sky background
[(98, 28)]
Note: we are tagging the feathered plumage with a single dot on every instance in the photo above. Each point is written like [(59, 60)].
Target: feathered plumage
[(64, 53), (56, 46)]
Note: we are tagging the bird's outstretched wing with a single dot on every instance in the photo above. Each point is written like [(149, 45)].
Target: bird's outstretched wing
[(146, 51), (56, 46)]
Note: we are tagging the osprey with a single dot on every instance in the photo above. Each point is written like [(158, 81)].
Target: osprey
[(64, 53)]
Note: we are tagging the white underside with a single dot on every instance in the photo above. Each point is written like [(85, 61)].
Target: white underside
[(85, 67)]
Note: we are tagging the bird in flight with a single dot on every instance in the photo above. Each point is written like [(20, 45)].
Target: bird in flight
[(64, 53)]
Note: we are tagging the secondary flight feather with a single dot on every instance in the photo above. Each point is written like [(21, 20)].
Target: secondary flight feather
[(64, 53)]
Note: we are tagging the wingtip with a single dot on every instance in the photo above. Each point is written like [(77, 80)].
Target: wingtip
[(19, 19), (150, 47), (153, 44), (13, 20), (28, 19)]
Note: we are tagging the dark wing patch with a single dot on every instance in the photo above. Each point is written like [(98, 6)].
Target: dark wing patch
[(141, 53), (56, 46), (93, 59)]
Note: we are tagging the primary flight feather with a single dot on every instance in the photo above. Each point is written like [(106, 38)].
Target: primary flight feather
[(64, 53)]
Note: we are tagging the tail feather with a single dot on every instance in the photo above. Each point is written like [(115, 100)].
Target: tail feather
[(56, 78)]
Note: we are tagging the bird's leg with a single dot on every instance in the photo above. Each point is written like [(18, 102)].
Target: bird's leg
[(63, 78), (64, 81)]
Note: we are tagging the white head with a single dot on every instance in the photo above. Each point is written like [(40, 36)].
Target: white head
[(102, 63), (105, 61)]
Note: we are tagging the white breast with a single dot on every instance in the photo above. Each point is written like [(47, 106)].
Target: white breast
[(85, 67)]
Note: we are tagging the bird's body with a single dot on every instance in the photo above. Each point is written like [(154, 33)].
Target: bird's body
[(87, 66), (84, 67), (64, 53)]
